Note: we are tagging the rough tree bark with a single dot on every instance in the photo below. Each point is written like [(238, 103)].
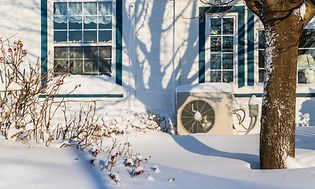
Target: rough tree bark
[(284, 21)]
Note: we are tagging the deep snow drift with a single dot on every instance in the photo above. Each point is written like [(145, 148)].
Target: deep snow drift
[(196, 161)]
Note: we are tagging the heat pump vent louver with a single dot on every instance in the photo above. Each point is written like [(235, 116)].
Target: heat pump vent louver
[(204, 108), (197, 116)]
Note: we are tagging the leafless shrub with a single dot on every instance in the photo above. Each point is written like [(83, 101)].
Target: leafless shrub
[(27, 97)]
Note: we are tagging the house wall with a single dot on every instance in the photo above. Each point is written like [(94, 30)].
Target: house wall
[(160, 51)]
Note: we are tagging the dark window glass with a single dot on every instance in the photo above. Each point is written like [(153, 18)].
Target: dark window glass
[(307, 39), (215, 76), (60, 36), (75, 36), (90, 36), (105, 36), (228, 26), (215, 61), (227, 44), (227, 61), (215, 26), (261, 41), (227, 76)]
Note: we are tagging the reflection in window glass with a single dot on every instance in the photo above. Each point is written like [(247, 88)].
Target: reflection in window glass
[(227, 61), (215, 76), (308, 38), (215, 26), (83, 60), (215, 61), (215, 44), (228, 43), (228, 26), (228, 76)]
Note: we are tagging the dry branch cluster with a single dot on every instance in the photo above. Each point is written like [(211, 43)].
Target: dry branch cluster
[(26, 106)]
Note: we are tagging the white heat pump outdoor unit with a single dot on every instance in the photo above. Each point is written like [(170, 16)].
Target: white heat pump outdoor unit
[(204, 108)]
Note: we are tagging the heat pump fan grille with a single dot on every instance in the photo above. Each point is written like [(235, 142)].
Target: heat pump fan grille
[(198, 116)]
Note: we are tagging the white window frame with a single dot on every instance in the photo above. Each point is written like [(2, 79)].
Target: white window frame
[(50, 30), (208, 45)]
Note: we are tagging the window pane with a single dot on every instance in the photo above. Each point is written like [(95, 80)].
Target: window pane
[(76, 52), (61, 52), (228, 77), (60, 36), (60, 22), (301, 76), (90, 36), (76, 66), (89, 9), (215, 44), (307, 39), (105, 36), (90, 52), (105, 22), (75, 22), (105, 67), (261, 58), (228, 43), (75, 36), (75, 9), (60, 8), (228, 25), (215, 76), (227, 61), (215, 26), (105, 52), (105, 8), (261, 75), (215, 61), (60, 66), (306, 58), (90, 22), (261, 40), (91, 66)]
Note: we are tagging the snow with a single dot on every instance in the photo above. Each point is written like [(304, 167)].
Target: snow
[(185, 162), (206, 87), (301, 11)]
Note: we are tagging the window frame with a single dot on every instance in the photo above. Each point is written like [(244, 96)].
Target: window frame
[(52, 44), (208, 47)]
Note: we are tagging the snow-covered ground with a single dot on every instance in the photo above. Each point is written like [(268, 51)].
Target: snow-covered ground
[(196, 161)]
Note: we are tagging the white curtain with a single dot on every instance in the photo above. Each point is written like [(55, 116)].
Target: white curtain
[(60, 9), (74, 12), (90, 8), (105, 12)]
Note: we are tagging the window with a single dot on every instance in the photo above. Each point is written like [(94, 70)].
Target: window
[(306, 63), (83, 37), (222, 49)]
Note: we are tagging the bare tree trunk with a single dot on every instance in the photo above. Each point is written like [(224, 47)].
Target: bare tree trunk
[(277, 136)]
